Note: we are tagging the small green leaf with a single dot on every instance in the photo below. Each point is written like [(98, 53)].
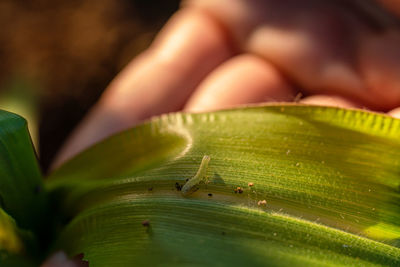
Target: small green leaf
[(21, 185), (14, 242), (10, 240), (22, 196)]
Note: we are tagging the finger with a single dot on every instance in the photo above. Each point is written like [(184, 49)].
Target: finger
[(329, 100), (380, 68), (190, 46), (241, 80), (395, 113), (313, 42)]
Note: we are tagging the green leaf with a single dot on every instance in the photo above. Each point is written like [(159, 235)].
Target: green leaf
[(14, 242), (22, 199), (10, 240), (330, 178), (21, 185)]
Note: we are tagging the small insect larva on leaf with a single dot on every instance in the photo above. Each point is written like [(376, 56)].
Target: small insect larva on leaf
[(192, 184)]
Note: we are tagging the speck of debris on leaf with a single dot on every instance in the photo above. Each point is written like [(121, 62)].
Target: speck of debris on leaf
[(298, 97), (146, 223), (250, 184), (238, 190), (210, 195), (150, 188), (178, 186), (262, 202)]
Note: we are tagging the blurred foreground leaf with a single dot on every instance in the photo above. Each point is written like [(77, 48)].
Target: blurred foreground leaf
[(22, 198), (15, 244), (21, 185), (329, 177)]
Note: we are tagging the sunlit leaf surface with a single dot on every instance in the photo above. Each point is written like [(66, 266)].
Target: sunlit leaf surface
[(329, 177)]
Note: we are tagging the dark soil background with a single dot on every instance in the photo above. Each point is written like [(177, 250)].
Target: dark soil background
[(69, 51)]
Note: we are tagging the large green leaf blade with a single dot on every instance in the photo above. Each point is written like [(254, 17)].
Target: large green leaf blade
[(313, 165), (200, 232)]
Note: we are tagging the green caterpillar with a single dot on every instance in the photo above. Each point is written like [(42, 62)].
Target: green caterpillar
[(191, 185)]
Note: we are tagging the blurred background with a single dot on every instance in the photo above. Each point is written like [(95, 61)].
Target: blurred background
[(57, 57)]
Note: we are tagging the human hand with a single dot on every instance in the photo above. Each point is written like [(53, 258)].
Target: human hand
[(215, 54)]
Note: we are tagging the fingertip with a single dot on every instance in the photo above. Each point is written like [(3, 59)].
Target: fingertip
[(243, 79), (329, 100), (395, 113), (379, 61)]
